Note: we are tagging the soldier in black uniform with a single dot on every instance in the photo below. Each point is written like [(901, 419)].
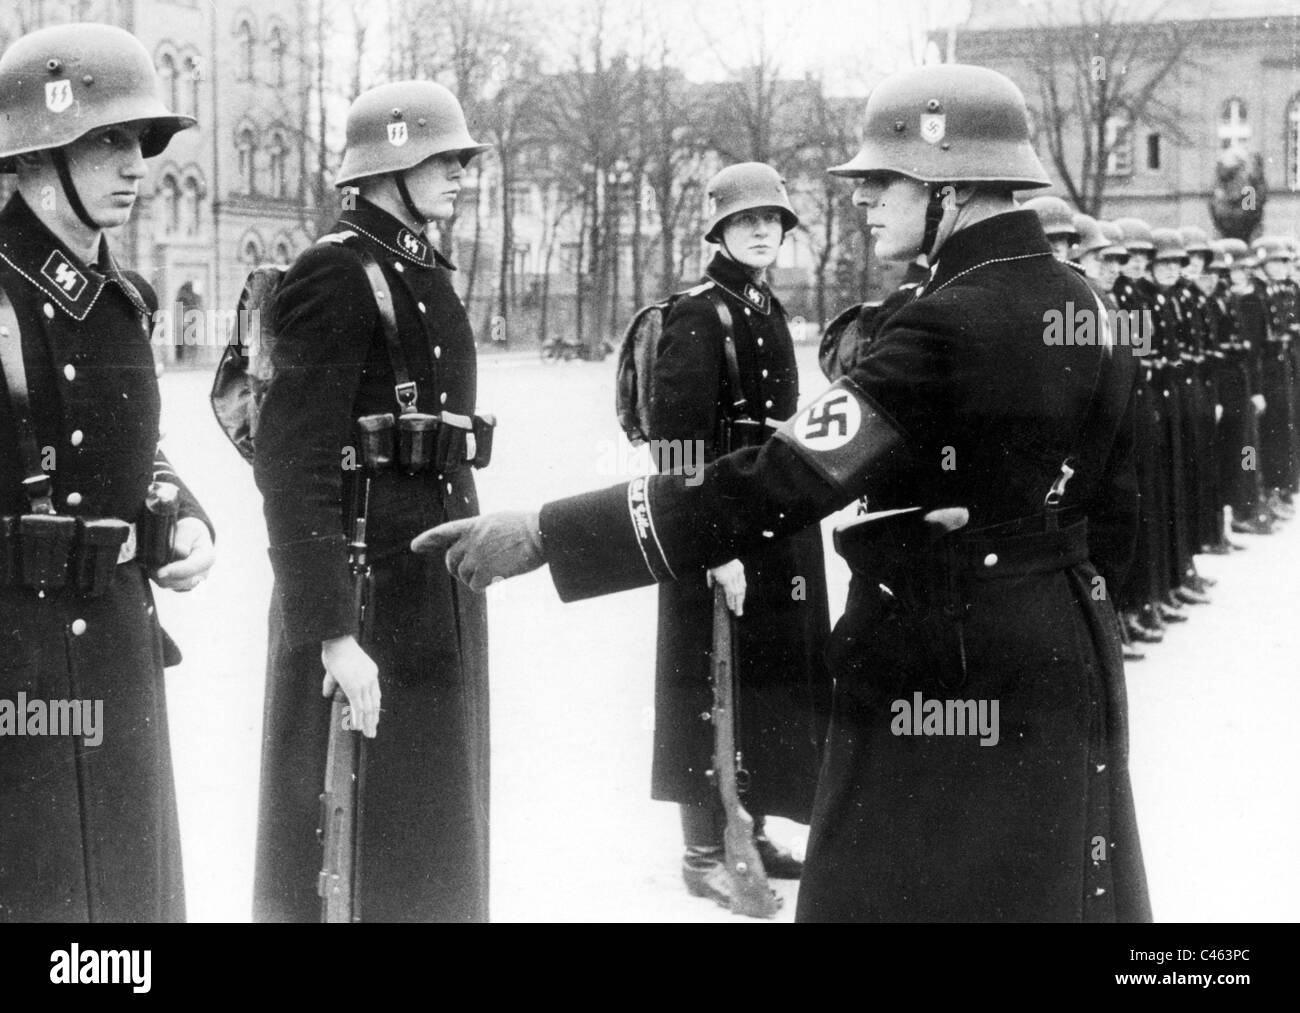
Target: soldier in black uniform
[(1058, 225), (962, 409), (1277, 425), (778, 591), (424, 836), (1147, 595), (90, 831), (1237, 313)]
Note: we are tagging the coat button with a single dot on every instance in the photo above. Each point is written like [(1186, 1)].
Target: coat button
[(747, 312), (70, 371), (48, 310), (449, 487), (74, 499), (991, 559), (760, 342), (423, 308), (77, 438), (767, 403), (397, 264), (765, 374), (437, 351), (78, 627), (443, 397)]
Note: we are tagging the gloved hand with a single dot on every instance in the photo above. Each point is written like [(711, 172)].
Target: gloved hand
[(482, 550), (732, 578)]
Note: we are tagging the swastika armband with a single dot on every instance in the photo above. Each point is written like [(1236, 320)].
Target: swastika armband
[(841, 433)]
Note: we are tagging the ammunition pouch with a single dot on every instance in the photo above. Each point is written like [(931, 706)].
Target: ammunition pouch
[(47, 552), (738, 433), (416, 443), (157, 527)]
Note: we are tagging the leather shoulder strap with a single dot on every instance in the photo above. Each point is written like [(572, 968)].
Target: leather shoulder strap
[(740, 404), (408, 394), (36, 483)]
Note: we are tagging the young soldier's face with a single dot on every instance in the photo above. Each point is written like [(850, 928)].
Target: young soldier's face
[(895, 207), (753, 238), (1109, 271), (434, 184), (1239, 277), (1277, 269), (1166, 272), (1195, 266), (1136, 267), (106, 168), (1060, 247)]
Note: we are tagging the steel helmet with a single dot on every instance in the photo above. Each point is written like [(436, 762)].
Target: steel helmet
[(396, 126), (1273, 248), (1168, 245), (1055, 215), (1195, 239), (744, 187), (57, 84), (1136, 234), (1115, 240), (1094, 238), (948, 123), (1229, 253)]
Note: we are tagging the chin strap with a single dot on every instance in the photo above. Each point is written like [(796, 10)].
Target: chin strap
[(74, 199), (933, 218), (400, 179)]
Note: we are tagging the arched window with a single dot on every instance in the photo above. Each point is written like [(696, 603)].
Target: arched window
[(1119, 143), (278, 47), (1293, 143), (1234, 125), (191, 201), (279, 156), (250, 250), (283, 253), (244, 48), (169, 192), (170, 85), (246, 146), (190, 92)]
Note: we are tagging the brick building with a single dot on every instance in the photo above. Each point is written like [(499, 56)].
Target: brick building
[(1238, 86)]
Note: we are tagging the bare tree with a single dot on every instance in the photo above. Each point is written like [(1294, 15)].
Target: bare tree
[(1099, 72)]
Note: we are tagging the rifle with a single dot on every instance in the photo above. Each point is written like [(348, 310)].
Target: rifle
[(340, 831), (750, 894)]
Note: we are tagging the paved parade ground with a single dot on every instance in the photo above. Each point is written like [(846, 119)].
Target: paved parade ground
[(575, 837)]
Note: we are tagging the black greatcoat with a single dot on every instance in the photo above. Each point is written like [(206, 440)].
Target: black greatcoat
[(784, 686), (911, 827), (87, 832), (424, 849)]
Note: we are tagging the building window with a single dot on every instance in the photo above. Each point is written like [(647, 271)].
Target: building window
[(244, 48), (1234, 126), (283, 254), (279, 155), (170, 85), (1119, 144), (191, 90), (278, 48), (1293, 143), (170, 194), (1153, 151), (250, 250), (192, 197), (247, 148)]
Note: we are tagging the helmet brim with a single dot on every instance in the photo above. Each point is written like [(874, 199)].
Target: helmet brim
[(789, 220), (153, 139)]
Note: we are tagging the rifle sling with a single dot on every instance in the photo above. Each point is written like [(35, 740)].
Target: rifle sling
[(36, 483), (407, 392), (740, 404)]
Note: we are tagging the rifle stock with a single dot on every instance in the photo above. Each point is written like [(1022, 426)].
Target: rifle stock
[(750, 892), (340, 827)]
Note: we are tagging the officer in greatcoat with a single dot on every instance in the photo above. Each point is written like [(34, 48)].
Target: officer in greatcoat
[(423, 853), (90, 830), (779, 589), (1013, 456)]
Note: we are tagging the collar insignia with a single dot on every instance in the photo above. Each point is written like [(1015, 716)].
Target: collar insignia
[(68, 281), (413, 245)]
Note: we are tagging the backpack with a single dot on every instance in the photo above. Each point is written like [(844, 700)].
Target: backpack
[(245, 370), (634, 386)]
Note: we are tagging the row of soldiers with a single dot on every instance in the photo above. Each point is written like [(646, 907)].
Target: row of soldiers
[(1216, 326)]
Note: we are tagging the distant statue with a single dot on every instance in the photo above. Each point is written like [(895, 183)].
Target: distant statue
[(1240, 190)]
